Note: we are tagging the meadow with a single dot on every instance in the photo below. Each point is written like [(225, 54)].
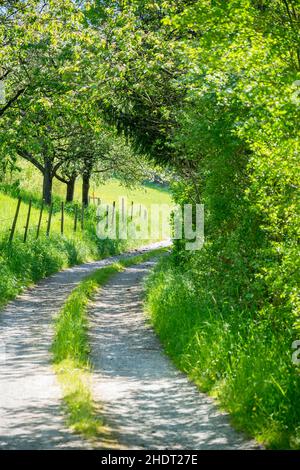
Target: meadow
[(24, 263)]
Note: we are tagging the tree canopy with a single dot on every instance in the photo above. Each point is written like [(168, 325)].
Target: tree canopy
[(210, 88)]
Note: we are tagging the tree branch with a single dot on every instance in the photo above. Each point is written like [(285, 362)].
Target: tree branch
[(11, 101), (60, 178), (27, 156), (56, 167)]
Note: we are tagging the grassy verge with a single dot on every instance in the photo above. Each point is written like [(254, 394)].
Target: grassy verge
[(22, 264), (235, 354), (71, 350)]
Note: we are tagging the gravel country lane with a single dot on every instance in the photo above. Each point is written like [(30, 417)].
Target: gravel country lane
[(147, 402), (30, 397)]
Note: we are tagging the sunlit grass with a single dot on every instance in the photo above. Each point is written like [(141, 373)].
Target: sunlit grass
[(75, 383), (8, 207), (110, 191), (245, 364), (22, 264)]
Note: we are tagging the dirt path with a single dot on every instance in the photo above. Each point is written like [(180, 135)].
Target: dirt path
[(30, 398), (146, 401)]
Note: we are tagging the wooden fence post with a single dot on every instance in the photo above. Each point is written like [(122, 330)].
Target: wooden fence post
[(107, 212), (123, 210), (113, 212), (13, 228), (40, 220), (82, 217), (62, 220), (27, 221), (49, 220), (132, 210), (75, 218)]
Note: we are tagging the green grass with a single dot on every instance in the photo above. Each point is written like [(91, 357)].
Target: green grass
[(71, 351), (230, 351), (22, 264), (112, 190), (8, 206)]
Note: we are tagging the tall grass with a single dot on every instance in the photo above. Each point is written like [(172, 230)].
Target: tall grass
[(24, 263), (230, 351), (21, 264)]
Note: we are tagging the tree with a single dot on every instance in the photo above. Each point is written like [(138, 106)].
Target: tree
[(42, 48), (99, 153), (137, 74)]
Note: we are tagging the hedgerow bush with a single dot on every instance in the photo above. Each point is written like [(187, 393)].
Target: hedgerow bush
[(229, 314)]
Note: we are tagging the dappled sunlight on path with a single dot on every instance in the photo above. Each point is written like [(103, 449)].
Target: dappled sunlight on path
[(147, 402), (30, 398)]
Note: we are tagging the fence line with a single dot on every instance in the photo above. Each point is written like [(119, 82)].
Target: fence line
[(75, 218), (13, 228), (34, 223), (40, 220), (28, 224), (27, 221), (62, 221), (49, 220)]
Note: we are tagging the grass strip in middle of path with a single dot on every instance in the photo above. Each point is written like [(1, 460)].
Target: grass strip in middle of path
[(71, 350)]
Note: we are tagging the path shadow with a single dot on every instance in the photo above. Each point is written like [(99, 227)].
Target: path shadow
[(147, 402)]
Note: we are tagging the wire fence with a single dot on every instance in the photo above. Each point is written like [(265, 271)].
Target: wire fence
[(32, 220)]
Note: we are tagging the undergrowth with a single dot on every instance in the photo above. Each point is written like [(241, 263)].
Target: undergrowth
[(229, 349)]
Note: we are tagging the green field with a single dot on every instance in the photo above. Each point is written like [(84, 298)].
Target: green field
[(8, 207), (111, 190), (24, 263), (29, 181)]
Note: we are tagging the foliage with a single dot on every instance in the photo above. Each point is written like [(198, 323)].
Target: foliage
[(228, 349), (235, 305), (22, 264), (205, 87), (50, 116)]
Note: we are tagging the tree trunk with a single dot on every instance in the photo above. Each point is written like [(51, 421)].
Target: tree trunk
[(47, 182), (85, 188), (70, 189)]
